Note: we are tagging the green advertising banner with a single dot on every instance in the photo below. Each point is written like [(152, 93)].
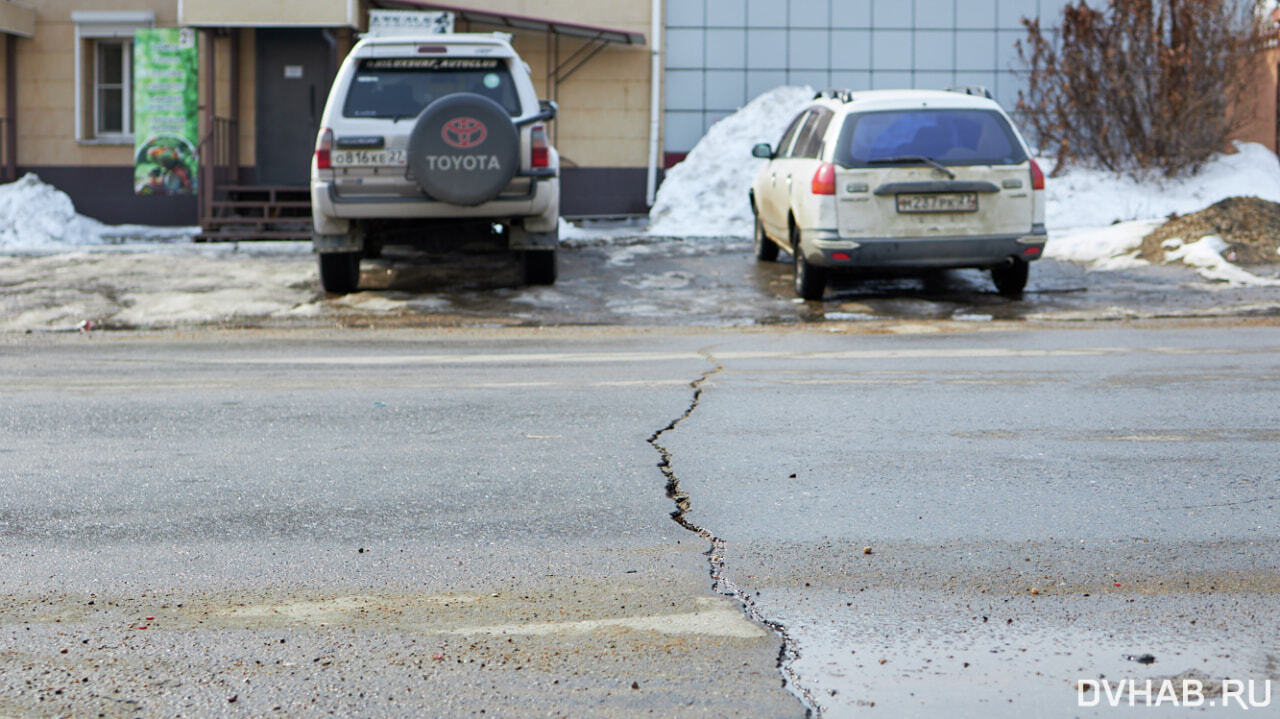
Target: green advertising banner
[(165, 111)]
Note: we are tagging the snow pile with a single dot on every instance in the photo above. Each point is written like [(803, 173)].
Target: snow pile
[(706, 194), (1098, 218), (1085, 198), (1106, 248), (34, 215)]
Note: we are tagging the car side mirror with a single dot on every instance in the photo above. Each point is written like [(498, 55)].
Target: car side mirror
[(763, 150)]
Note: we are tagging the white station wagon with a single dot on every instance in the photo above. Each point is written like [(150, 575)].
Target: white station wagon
[(889, 180)]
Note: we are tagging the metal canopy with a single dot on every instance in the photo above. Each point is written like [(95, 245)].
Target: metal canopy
[(520, 22)]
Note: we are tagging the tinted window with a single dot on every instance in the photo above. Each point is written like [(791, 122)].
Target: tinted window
[(811, 146), (806, 132), (790, 135), (953, 137), (402, 87)]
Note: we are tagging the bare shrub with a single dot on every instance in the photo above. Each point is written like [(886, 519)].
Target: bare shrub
[(1142, 84)]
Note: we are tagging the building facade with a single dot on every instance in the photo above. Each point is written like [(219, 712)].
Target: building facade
[(265, 70), (721, 53)]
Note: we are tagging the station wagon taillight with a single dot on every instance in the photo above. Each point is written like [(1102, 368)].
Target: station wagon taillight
[(539, 149), (324, 148), (824, 179), (1037, 176)]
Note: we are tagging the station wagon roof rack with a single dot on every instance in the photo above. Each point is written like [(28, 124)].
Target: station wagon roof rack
[(975, 90), (832, 93)]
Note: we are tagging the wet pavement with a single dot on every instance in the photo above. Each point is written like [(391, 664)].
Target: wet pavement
[(442, 521), (647, 281), (971, 525), (624, 281)]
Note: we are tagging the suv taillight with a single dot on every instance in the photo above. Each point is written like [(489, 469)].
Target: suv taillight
[(539, 149), (1037, 176), (824, 179), (324, 145)]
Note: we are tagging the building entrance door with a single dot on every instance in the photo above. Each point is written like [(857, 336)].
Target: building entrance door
[(294, 71)]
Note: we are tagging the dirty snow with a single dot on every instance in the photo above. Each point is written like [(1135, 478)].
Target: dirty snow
[(1099, 219), (36, 216), (1206, 256)]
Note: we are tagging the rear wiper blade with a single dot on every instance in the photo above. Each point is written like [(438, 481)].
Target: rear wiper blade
[(912, 158)]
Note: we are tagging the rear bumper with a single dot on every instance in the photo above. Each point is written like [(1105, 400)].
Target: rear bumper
[(827, 248), (327, 207)]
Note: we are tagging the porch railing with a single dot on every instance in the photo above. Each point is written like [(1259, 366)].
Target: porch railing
[(7, 169), (219, 161)]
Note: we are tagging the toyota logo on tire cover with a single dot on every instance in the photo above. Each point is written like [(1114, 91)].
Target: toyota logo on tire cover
[(463, 132)]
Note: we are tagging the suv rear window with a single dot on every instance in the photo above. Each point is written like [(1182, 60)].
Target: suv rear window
[(402, 87), (952, 137)]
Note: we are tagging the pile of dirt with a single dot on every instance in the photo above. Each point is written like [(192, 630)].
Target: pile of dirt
[(1249, 225)]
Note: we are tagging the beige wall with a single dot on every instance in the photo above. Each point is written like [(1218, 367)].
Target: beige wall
[(604, 105), (17, 19), (275, 13), (1259, 112)]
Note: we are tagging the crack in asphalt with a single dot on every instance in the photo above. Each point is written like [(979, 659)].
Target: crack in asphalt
[(720, 581)]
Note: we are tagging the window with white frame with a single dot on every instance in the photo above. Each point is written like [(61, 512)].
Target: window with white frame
[(104, 73), (112, 88)]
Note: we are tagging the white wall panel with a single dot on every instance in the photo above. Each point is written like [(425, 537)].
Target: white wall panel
[(721, 53)]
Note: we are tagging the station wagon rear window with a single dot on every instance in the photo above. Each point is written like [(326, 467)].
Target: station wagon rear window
[(401, 87), (952, 137)]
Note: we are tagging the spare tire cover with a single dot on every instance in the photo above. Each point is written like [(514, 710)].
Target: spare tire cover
[(463, 149)]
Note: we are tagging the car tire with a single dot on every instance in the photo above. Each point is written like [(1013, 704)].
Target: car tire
[(340, 272), (811, 281), (538, 267), (464, 149), (1011, 279), (765, 248)]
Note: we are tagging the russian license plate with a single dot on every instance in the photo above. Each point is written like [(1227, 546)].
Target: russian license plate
[(939, 202), (369, 158)]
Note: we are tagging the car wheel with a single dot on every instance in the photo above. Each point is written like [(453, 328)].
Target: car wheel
[(766, 249), (1011, 279), (538, 267), (340, 271), (811, 281)]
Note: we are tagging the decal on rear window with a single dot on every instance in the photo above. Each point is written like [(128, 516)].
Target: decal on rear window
[(401, 87)]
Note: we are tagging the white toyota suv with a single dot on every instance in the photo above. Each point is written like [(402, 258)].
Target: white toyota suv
[(427, 139), (887, 180)]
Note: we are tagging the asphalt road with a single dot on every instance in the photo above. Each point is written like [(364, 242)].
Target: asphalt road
[(449, 522), (971, 525)]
